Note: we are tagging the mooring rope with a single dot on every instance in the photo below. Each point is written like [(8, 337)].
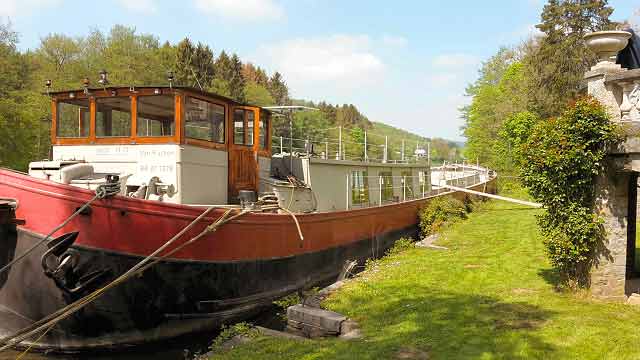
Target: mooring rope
[(48, 322), (103, 191)]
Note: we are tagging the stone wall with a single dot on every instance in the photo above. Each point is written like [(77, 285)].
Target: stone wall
[(609, 272), (618, 90)]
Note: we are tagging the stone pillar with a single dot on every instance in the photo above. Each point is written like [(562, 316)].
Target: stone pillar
[(609, 271)]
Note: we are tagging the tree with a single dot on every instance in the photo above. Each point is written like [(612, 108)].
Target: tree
[(257, 95), (278, 89), (223, 75), (236, 81), (21, 137), (499, 93), (194, 65), (558, 63)]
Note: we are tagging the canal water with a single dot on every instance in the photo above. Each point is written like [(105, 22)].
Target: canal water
[(180, 349)]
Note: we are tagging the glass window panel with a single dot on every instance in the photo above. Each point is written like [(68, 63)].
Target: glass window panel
[(250, 120), (359, 188), (264, 129), (238, 126), (113, 117), (72, 119), (204, 120), (387, 185), (156, 115)]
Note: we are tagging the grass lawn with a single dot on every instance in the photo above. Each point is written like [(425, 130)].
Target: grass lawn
[(491, 295)]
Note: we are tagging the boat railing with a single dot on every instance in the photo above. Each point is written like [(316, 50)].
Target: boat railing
[(325, 147), (371, 191)]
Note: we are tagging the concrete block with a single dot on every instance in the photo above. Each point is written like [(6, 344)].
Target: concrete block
[(315, 317)]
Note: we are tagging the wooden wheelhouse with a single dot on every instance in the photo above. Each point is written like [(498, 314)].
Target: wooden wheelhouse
[(198, 124)]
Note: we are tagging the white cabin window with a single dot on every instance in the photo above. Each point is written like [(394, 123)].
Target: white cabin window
[(113, 117), (73, 118), (156, 115), (204, 120)]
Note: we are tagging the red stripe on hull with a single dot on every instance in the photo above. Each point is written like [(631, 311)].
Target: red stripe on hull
[(139, 227)]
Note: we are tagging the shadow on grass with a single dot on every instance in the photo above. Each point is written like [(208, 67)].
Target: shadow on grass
[(512, 209), (551, 277), (445, 325)]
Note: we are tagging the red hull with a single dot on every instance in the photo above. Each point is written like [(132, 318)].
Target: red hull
[(138, 227)]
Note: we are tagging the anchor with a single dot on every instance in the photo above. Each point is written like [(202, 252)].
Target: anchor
[(60, 263)]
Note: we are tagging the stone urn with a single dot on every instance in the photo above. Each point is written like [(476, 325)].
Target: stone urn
[(606, 45)]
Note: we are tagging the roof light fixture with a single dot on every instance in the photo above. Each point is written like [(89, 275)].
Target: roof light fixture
[(170, 78), (103, 78), (85, 85)]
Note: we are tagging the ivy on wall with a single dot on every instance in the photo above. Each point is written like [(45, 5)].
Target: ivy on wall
[(562, 156)]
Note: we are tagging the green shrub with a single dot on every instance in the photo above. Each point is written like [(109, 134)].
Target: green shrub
[(562, 157), (439, 211), (284, 302), (229, 332), (400, 245)]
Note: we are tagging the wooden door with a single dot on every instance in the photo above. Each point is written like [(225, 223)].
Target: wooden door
[(243, 151)]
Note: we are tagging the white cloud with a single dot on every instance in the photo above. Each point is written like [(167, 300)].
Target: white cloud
[(324, 65), (242, 10), (394, 41), (455, 61), (139, 6), (15, 8)]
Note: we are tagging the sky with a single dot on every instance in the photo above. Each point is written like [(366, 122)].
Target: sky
[(404, 63)]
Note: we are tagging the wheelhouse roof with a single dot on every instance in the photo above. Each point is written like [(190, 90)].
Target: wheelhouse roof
[(164, 87)]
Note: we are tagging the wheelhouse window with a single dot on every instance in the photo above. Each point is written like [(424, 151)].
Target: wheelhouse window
[(250, 122), (73, 118), (263, 137), (243, 122), (113, 117), (387, 185), (359, 188), (155, 115), (204, 120)]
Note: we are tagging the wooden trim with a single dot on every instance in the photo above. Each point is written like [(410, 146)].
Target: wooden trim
[(92, 120), (180, 116), (54, 120), (134, 118), (205, 144), (116, 140)]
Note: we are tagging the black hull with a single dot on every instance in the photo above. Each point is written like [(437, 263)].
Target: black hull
[(172, 299)]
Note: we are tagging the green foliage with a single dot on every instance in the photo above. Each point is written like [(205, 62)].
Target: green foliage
[(439, 211), (401, 245), (284, 302), (513, 133), (258, 95), (497, 95), (229, 332), (563, 155)]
